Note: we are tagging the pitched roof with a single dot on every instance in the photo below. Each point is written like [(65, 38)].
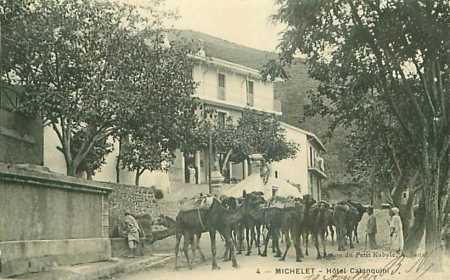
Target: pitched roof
[(226, 50)]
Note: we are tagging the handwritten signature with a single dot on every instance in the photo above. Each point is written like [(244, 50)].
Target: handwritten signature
[(395, 266)]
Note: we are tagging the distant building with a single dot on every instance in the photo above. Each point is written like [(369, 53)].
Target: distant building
[(307, 169)]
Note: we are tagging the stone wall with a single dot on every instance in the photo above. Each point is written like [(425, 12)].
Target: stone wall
[(49, 219), (137, 200)]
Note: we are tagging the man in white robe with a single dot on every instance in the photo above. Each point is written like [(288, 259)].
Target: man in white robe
[(396, 230)]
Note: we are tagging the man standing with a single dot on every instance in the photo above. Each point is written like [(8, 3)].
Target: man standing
[(371, 228), (132, 230), (396, 231)]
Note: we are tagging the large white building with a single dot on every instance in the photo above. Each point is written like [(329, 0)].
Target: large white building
[(229, 89)]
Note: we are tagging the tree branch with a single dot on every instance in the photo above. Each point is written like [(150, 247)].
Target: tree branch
[(225, 161)]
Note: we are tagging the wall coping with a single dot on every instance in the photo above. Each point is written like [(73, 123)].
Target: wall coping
[(36, 175), (12, 242)]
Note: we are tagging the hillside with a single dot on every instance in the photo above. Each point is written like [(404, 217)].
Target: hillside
[(293, 94)]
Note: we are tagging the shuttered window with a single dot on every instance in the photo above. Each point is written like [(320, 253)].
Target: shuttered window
[(221, 86)]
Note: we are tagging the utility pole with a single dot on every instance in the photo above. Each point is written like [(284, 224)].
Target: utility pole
[(210, 151)]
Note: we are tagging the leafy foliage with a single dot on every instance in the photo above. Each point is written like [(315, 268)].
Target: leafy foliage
[(95, 70), (96, 157), (263, 134), (384, 73), (254, 132), (163, 113)]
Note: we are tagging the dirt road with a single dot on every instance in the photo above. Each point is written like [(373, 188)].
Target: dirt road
[(356, 264)]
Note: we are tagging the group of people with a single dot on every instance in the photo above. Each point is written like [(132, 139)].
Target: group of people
[(395, 230)]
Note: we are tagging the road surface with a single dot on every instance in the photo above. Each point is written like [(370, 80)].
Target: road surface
[(346, 266)]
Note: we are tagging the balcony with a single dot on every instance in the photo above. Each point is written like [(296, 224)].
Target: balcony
[(277, 105), (318, 167)]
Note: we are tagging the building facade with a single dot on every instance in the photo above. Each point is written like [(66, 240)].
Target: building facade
[(225, 87), (228, 89), (307, 169), (20, 136)]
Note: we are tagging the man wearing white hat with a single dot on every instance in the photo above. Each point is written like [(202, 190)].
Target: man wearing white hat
[(396, 230)]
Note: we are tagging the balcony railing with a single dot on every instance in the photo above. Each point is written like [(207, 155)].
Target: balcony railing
[(318, 167), (319, 163)]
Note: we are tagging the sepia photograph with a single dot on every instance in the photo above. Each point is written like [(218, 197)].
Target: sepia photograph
[(225, 139)]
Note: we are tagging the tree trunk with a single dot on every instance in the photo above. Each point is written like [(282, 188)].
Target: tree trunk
[(433, 228), (138, 176), (416, 231), (118, 161), (71, 169), (225, 162), (118, 170), (406, 213)]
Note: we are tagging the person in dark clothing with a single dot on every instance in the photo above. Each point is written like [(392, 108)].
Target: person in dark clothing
[(371, 228)]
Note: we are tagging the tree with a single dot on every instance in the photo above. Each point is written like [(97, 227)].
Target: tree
[(68, 49), (69, 57), (254, 132), (11, 16), (95, 159), (395, 53), (163, 116), (264, 134)]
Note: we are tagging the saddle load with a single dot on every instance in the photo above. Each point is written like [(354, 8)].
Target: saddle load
[(282, 202), (200, 202)]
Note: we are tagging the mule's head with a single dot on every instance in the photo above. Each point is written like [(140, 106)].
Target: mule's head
[(308, 200), (229, 203), (255, 199)]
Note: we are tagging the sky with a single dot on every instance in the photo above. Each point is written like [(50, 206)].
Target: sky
[(245, 22)]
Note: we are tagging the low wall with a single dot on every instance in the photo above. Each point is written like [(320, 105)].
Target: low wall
[(140, 201), (49, 219)]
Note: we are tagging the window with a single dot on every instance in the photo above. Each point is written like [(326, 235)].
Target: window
[(276, 174), (221, 119), (311, 160), (250, 93), (221, 86), (10, 99)]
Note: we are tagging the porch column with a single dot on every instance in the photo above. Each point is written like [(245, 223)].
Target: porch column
[(183, 168), (230, 167), (245, 164), (198, 167)]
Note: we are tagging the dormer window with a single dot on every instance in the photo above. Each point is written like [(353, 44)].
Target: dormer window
[(250, 93), (221, 86)]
